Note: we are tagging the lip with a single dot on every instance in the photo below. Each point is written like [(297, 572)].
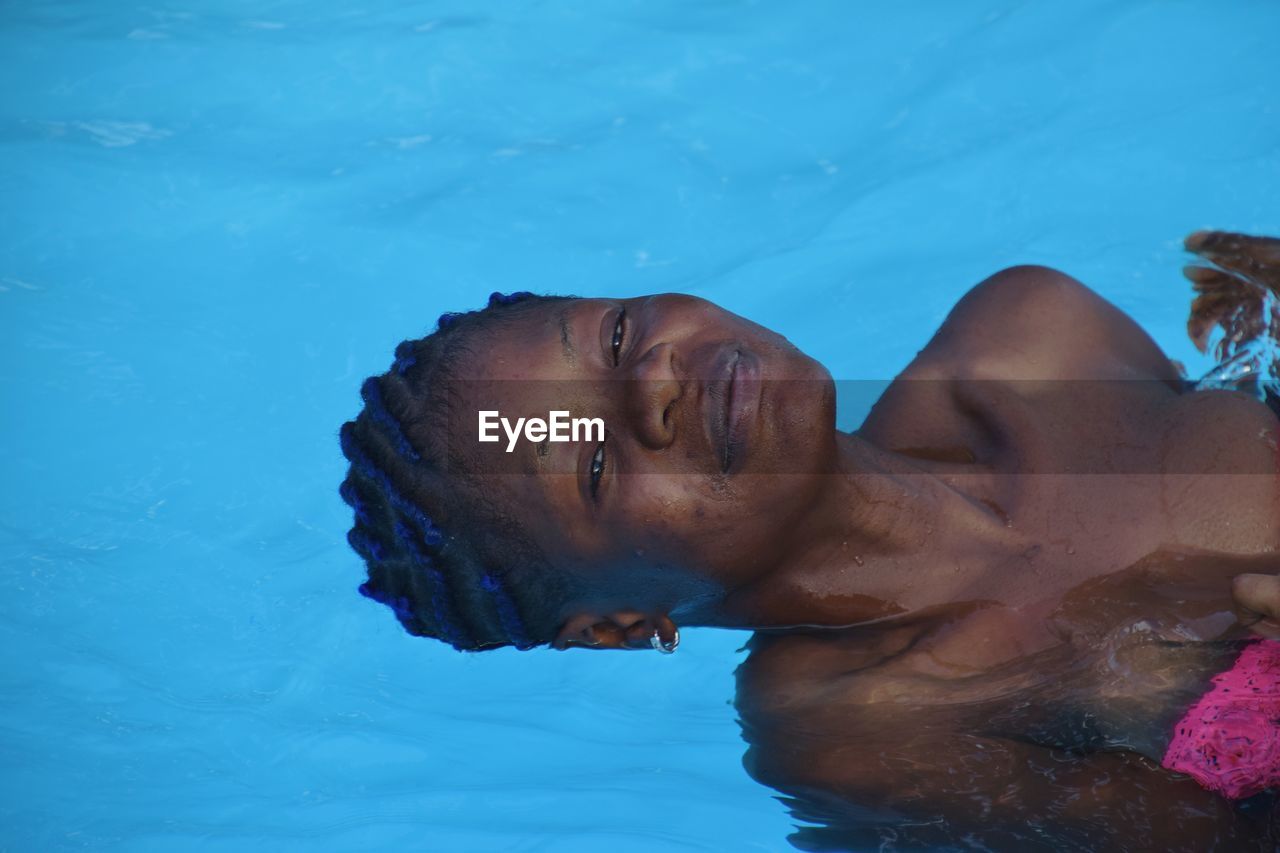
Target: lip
[(731, 403)]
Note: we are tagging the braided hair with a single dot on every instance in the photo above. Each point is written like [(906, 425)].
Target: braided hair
[(441, 557)]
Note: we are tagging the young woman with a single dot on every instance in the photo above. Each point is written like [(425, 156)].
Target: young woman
[(1001, 610)]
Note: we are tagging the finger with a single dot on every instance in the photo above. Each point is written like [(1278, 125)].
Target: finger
[(1260, 593), (1257, 600), (1266, 628)]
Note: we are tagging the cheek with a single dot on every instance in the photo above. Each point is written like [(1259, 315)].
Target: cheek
[(667, 500), (796, 428), (683, 519)]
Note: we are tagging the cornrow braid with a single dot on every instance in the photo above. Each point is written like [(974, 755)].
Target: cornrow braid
[(481, 585)]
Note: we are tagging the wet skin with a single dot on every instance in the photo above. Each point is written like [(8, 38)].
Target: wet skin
[(1082, 457), (1029, 490)]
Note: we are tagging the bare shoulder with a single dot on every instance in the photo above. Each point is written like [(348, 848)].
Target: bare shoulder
[(1035, 322), (1006, 337)]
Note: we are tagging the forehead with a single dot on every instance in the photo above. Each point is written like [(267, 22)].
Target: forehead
[(527, 366), (542, 343)]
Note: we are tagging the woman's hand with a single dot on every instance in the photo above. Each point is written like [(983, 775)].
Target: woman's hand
[(1257, 601)]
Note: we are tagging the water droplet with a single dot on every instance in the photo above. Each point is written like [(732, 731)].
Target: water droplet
[(858, 560)]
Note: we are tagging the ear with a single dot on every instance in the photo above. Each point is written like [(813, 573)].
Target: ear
[(622, 629)]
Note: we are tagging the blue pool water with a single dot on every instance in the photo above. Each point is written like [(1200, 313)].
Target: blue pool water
[(218, 217)]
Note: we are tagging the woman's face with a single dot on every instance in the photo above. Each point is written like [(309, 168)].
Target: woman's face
[(717, 435)]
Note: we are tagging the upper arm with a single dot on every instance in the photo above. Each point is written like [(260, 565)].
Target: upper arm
[(856, 757), (938, 784)]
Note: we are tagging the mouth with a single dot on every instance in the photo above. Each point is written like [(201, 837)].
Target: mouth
[(732, 402)]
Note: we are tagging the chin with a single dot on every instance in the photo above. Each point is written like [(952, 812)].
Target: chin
[(798, 420)]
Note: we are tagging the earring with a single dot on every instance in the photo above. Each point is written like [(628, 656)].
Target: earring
[(665, 648)]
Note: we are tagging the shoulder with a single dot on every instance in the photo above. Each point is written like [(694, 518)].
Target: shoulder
[(1022, 293), (1016, 334), (1035, 322)]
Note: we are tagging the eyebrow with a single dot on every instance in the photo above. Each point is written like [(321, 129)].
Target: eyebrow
[(540, 456), (566, 337), (542, 450), (545, 460)]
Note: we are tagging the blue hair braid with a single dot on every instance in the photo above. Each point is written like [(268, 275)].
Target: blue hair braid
[(365, 545), (428, 535), (498, 298), (435, 589), (431, 534), (440, 605), (348, 492), (507, 615), (398, 603), (405, 358), (372, 397)]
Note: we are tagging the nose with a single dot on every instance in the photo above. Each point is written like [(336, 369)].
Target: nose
[(654, 390)]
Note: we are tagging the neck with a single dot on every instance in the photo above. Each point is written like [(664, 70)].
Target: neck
[(886, 538)]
